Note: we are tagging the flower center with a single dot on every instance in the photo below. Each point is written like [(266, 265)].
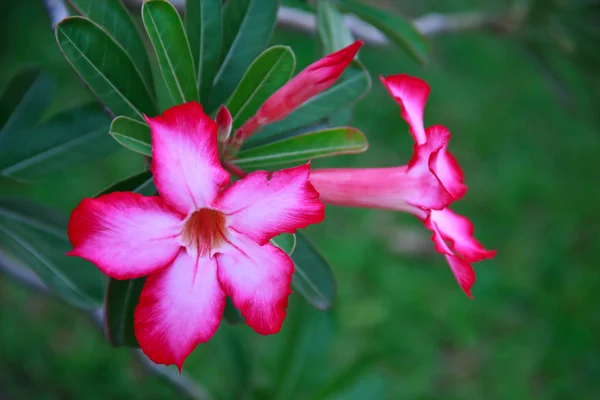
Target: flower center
[(203, 232)]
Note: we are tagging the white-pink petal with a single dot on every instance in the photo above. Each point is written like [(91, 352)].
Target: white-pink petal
[(264, 205), (185, 158), (125, 234), (179, 308)]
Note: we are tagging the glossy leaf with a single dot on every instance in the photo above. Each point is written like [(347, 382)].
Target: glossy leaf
[(333, 31), (398, 29), (105, 67), (286, 242), (270, 71), (132, 134), (247, 29), (71, 138), (353, 85), (122, 296), (325, 143), (313, 278), (204, 28), (167, 35), (115, 19), (37, 236), (23, 102)]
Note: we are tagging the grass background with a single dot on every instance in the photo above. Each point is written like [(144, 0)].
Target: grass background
[(401, 327)]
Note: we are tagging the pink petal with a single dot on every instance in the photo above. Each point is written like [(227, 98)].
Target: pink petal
[(258, 279), (125, 234), (405, 188), (453, 237), (263, 204), (179, 308), (443, 164), (458, 230), (185, 159), (411, 94), (311, 81)]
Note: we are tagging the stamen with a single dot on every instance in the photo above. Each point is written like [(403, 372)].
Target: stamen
[(203, 232)]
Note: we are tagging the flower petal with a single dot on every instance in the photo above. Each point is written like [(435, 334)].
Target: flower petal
[(308, 83), (179, 308), (443, 164), (224, 122), (463, 272), (258, 280), (185, 159), (125, 234), (458, 230), (263, 205), (411, 94)]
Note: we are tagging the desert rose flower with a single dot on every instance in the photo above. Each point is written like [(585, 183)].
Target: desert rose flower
[(200, 240), (425, 187)]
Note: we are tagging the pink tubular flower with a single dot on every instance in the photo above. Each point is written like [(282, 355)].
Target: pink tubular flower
[(200, 240), (425, 187), (311, 81)]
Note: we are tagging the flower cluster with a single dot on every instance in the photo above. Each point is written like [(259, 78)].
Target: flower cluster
[(425, 187)]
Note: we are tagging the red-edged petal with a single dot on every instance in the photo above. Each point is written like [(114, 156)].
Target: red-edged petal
[(125, 234), (411, 94), (311, 81), (397, 188), (179, 308), (185, 159), (263, 205), (458, 231), (258, 279), (450, 229), (443, 164)]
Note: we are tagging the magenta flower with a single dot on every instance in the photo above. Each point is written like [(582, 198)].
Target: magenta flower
[(200, 240), (311, 81), (425, 187)]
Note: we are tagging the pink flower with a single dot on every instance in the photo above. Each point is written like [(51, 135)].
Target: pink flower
[(200, 240), (425, 187), (314, 79)]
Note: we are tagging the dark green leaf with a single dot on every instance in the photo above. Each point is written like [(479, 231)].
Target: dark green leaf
[(325, 143), (286, 242), (122, 296), (203, 24), (105, 67), (398, 29), (167, 35), (23, 102), (332, 28), (270, 71), (247, 28), (132, 134), (353, 85), (115, 19), (313, 278), (231, 314), (71, 138), (37, 236)]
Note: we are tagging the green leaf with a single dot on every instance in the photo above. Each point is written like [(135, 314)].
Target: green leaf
[(247, 28), (23, 102), (353, 85), (332, 28), (286, 242), (71, 138), (313, 278), (122, 296), (270, 71), (203, 24), (115, 19), (105, 67), (132, 134), (325, 143), (398, 29), (167, 35), (37, 236), (231, 314)]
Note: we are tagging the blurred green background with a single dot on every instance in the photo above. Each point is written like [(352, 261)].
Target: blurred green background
[(401, 327)]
